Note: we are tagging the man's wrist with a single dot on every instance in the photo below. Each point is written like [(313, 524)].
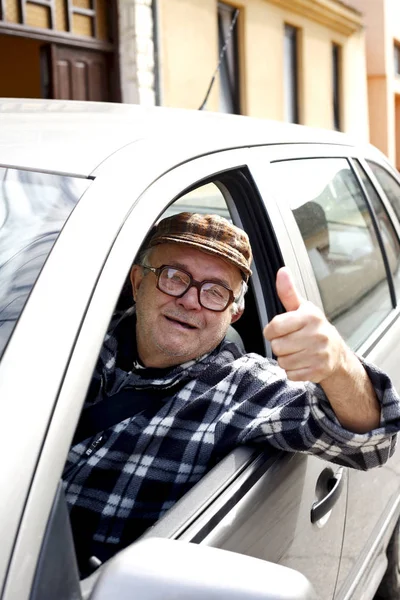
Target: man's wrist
[(352, 394)]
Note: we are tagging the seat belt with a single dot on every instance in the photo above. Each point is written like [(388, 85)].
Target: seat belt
[(128, 402)]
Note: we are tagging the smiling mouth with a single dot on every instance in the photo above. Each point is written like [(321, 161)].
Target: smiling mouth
[(181, 323)]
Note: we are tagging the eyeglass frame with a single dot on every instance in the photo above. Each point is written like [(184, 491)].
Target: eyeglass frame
[(192, 283)]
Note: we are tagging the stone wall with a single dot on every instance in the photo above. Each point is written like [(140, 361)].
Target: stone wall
[(136, 48)]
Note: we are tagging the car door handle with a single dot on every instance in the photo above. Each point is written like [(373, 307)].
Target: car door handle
[(334, 484)]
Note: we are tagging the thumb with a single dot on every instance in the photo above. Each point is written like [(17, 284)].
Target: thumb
[(287, 291)]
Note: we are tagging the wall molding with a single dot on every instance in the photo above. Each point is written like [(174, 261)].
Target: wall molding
[(331, 13)]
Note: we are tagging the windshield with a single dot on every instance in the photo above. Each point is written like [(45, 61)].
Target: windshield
[(33, 209)]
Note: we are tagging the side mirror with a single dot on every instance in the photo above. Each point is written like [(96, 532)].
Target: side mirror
[(162, 569)]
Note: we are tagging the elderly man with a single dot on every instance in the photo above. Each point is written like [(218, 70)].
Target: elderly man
[(202, 395)]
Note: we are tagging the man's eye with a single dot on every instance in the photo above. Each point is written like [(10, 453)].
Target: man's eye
[(215, 292), (176, 277)]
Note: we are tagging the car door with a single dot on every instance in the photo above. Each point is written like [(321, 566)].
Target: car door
[(260, 505), (350, 244), (253, 503)]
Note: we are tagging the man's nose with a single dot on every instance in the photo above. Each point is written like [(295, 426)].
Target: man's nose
[(190, 299)]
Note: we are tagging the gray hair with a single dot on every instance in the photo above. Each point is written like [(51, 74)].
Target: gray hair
[(143, 256), (238, 304)]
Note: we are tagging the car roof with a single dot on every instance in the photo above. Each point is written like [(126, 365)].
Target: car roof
[(75, 137)]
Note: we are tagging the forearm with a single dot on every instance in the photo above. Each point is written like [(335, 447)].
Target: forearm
[(352, 395)]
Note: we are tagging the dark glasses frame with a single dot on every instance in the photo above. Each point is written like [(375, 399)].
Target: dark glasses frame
[(192, 283)]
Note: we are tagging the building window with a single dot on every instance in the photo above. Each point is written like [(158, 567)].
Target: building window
[(229, 95), (397, 59), (336, 85), (89, 18), (291, 74)]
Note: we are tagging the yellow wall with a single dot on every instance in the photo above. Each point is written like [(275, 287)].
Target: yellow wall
[(355, 87), (189, 51), (189, 54), (20, 72), (382, 21)]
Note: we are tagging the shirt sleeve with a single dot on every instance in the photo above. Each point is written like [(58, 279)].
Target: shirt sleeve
[(271, 410)]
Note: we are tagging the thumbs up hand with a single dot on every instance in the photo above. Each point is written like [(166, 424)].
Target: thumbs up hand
[(306, 345), (309, 348)]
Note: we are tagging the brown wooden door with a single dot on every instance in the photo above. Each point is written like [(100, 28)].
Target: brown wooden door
[(79, 74)]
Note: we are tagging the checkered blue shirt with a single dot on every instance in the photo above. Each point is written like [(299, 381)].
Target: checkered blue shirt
[(119, 483)]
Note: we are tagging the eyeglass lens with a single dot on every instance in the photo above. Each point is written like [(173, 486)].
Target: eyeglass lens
[(175, 283)]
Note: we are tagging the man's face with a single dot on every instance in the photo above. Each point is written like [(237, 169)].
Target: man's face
[(171, 330)]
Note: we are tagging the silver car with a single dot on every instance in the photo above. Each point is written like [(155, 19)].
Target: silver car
[(81, 185)]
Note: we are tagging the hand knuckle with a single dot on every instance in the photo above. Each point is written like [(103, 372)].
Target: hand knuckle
[(275, 346), (282, 362)]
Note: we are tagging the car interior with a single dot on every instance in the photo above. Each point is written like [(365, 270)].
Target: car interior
[(247, 331)]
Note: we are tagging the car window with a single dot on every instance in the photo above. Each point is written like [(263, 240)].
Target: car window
[(228, 196), (204, 199), (338, 231), (389, 185), (33, 210), (387, 231), (209, 199)]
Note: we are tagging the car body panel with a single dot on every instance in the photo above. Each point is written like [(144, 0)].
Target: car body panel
[(86, 336), (76, 137), (365, 513), (272, 521)]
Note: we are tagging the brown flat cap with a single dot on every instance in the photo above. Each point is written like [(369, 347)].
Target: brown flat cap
[(209, 233)]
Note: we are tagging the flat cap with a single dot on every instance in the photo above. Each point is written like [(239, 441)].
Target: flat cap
[(209, 233)]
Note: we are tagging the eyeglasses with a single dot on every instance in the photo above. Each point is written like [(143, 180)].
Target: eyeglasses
[(176, 282)]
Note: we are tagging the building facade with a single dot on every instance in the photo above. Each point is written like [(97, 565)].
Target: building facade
[(382, 25), (294, 60)]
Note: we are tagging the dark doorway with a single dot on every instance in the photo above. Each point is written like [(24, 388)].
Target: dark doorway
[(32, 68), (20, 70)]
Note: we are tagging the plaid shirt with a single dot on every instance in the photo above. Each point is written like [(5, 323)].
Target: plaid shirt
[(119, 486)]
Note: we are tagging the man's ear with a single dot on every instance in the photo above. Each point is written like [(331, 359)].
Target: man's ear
[(136, 277), (237, 316)]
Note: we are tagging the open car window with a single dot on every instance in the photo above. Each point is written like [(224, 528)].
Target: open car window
[(206, 199), (229, 195)]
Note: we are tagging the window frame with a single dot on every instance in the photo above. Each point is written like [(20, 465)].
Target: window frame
[(296, 256), (377, 230), (291, 75), (230, 65), (381, 192), (396, 59), (337, 84), (246, 210)]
